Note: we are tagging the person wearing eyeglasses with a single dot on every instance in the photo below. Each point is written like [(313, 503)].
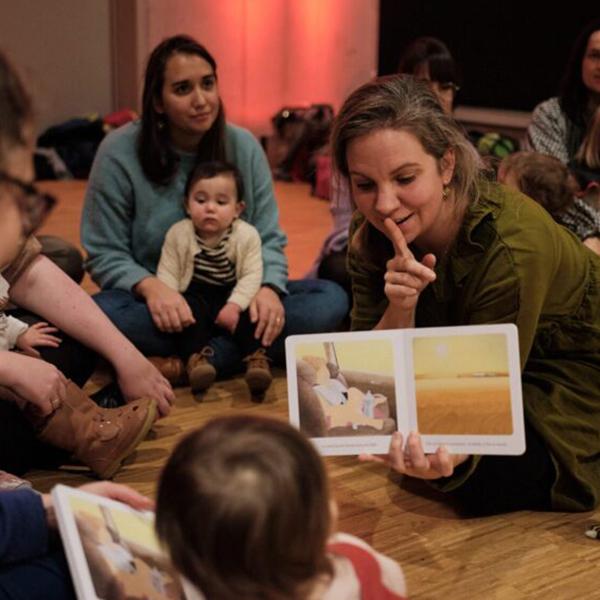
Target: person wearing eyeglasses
[(429, 59)]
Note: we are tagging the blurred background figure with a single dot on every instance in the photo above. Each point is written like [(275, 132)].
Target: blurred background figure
[(560, 124), (429, 59), (549, 182)]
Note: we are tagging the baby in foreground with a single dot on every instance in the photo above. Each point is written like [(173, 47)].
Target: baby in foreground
[(244, 511)]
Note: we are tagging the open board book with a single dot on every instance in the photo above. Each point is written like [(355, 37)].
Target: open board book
[(457, 386), (112, 550)]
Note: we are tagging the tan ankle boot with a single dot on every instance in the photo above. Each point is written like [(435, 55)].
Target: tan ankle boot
[(101, 438), (258, 373), (200, 372), (171, 368)]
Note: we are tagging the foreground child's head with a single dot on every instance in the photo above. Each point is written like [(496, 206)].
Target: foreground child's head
[(214, 197), (541, 177), (243, 508)]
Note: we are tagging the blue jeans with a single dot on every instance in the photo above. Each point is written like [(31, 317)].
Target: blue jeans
[(311, 306)]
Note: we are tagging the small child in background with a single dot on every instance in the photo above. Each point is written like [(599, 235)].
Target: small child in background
[(549, 182), (244, 511), (214, 259)]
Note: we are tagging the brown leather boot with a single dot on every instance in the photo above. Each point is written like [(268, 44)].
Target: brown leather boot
[(171, 368), (258, 373), (101, 438), (201, 372)]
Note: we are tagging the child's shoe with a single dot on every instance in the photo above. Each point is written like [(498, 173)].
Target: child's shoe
[(258, 373), (100, 438), (171, 368), (201, 372)]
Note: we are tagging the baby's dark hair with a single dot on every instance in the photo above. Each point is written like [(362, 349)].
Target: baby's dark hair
[(541, 177), (243, 509), (213, 168)]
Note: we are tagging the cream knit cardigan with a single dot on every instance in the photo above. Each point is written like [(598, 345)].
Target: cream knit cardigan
[(176, 265)]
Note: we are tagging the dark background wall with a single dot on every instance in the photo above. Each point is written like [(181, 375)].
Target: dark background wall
[(511, 54)]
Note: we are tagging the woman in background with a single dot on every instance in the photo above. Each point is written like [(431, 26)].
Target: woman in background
[(432, 244), (134, 196), (559, 125)]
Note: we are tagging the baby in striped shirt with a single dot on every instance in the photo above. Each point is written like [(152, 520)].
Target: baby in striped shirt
[(213, 258)]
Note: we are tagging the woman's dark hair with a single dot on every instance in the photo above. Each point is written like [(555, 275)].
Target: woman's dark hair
[(15, 106), (435, 55), (243, 509), (159, 161), (574, 95), (213, 168)]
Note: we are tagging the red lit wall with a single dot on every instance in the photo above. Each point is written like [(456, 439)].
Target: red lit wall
[(272, 53)]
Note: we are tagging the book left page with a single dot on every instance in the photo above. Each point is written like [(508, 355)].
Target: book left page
[(112, 550), (346, 390)]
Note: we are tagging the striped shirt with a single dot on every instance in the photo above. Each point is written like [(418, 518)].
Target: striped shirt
[(212, 265)]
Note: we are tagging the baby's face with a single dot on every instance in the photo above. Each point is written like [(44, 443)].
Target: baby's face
[(212, 205)]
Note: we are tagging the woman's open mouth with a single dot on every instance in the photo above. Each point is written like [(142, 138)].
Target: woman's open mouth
[(401, 221)]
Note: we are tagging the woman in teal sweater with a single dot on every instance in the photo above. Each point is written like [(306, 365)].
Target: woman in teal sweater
[(136, 192), (433, 244)]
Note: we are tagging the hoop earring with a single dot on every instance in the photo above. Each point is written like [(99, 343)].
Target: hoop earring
[(445, 192)]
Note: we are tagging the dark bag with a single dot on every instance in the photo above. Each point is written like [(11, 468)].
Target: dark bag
[(76, 142), (299, 133)]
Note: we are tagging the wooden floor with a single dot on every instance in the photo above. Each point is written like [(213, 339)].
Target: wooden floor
[(517, 556)]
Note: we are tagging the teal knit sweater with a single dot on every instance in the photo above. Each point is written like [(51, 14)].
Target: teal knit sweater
[(126, 217)]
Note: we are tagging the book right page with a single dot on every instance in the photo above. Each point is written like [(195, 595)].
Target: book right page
[(464, 388)]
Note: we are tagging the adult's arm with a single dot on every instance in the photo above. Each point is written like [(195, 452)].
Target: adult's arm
[(14, 328), (547, 132), (23, 529), (106, 222), (516, 283), (47, 291)]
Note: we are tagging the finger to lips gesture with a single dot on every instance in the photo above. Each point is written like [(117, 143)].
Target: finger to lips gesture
[(405, 277)]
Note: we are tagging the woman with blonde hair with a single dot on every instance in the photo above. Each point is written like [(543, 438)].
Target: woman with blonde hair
[(435, 244)]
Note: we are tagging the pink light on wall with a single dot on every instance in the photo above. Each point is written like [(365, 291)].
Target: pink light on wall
[(313, 34), (272, 53)]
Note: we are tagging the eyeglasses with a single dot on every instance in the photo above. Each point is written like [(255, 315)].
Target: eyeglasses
[(443, 86), (33, 204)]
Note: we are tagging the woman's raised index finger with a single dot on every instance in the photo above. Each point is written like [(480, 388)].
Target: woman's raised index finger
[(397, 238)]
